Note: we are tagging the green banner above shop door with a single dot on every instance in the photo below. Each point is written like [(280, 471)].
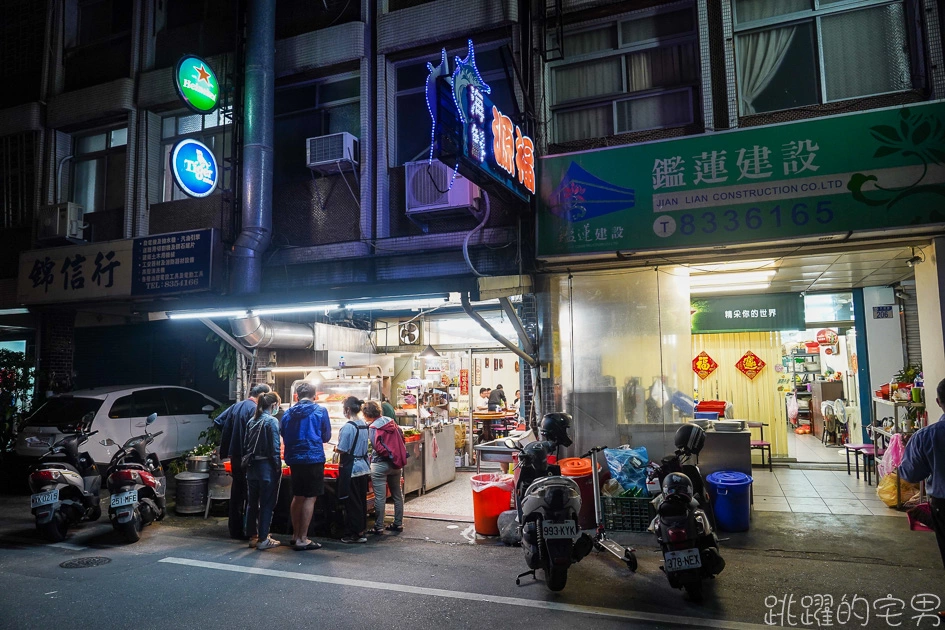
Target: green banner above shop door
[(747, 313)]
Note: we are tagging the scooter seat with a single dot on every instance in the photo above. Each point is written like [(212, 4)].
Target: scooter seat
[(674, 508)]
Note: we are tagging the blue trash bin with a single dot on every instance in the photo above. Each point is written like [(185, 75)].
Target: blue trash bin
[(731, 492)]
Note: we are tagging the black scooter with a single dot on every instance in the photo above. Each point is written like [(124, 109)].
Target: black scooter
[(137, 485), (66, 485)]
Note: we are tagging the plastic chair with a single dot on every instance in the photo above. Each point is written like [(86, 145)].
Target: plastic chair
[(761, 445), (855, 449)]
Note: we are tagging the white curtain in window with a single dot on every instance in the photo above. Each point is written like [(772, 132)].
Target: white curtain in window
[(760, 56), (865, 52), (591, 122), (662, 67), (586, 80)]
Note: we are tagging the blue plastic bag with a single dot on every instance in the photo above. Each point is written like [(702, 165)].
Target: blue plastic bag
[(628, 467)]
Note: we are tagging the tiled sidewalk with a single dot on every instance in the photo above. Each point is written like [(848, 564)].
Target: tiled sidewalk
[(817, 492)]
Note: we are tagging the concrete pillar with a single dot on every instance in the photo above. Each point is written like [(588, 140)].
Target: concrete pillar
[(929, 284)]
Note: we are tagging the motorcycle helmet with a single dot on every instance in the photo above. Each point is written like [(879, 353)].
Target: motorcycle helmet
[(536, 454), (677, 485), (689, 439), (554, 427)]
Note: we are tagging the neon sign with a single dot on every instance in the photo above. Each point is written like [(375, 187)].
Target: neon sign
[(196, 84), (470, 132), (194, 168)]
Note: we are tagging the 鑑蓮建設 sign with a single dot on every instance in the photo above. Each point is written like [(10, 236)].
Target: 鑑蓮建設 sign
[(471, 134), (179, 262), (194, 168), (196, 84), (864, 171), (747, 313)]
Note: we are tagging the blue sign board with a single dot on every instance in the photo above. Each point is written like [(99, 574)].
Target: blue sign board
[(194, 168), (172, 263), (882, 312)]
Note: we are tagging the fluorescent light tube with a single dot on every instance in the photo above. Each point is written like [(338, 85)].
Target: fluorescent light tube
[(728, 279), (207, 314), (731, 288)]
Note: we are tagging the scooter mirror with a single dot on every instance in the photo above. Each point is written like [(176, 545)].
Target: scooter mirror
[(510, 443), (151, 418), (207, 408), (108, 442)]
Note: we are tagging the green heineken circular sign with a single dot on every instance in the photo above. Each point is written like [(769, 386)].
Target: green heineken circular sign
[(197, 84)]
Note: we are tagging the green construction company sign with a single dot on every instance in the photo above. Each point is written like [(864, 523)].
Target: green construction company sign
[(196, 84), (865, 171), (747, 313)]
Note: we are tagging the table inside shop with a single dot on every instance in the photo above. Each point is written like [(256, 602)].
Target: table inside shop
[(493, 425)]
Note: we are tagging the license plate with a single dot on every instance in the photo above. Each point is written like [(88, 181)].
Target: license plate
[(565, 529), (124, 498), (44, 498), (682, 560)]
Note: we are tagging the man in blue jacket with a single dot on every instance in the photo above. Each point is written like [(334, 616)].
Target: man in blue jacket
[(232, 423), (305, 428), (925, 459)]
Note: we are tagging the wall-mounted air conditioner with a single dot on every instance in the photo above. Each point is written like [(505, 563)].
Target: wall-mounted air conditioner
[(430, 195), (60, 221), (328, 154)]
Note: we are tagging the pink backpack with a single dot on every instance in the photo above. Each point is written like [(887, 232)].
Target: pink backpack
[(389, 444)]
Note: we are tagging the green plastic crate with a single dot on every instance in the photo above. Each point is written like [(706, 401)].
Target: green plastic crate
[(627, 514)]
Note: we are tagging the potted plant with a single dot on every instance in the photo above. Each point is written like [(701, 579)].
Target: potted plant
[(907, 375)]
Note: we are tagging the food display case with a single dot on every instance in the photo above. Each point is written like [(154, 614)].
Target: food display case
[(331, 394)]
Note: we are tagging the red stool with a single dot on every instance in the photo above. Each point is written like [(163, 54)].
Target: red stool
[(761, 445)]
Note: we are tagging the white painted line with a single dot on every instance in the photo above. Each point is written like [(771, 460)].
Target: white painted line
[(68, 546), (470, 534), (631, 615)]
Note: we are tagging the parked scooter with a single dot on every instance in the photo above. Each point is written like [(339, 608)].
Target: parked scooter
[(601, 541), (66, 485), (548, 506), (685, 522), (137, 485)]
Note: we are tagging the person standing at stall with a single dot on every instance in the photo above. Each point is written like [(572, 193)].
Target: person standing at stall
[(387, 408), (354, 471), (387, 463), (232, 423), (305, 429), (262, 447), (497, 399), (925, 460)]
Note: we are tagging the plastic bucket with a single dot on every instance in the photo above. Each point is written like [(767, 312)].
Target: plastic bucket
[(191, 492), (731, 492), (579, 470), (492, 494)]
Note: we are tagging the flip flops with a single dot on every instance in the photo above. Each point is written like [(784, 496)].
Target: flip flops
[(395, 528), (310, 546)]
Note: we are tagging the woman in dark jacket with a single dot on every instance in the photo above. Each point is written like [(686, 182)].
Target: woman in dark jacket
[(261, 448)]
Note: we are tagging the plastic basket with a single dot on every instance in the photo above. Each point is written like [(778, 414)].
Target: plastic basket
[(627, 514)]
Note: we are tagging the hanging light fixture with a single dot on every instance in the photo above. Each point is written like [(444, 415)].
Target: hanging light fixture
[(429, 352)]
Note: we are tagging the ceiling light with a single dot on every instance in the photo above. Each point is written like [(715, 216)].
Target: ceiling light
[(405, 304), (14, 311), (728, 279), (757, 286), (748, 265), (211, 314), (307, 308), (430, 352)]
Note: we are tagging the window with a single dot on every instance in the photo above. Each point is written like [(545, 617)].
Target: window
[(63, 410), (148, 401), (99, 20), (632, 74), (212, 129), (124, 407), (185, 402), (792, 53), (413, 118), (17, 174), (98, 175)]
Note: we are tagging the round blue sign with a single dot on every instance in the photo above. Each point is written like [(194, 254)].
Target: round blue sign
[(194, 168)]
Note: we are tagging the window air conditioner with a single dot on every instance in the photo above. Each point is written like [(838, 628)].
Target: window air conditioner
[(325, 153), (430, 196), (60, 221)]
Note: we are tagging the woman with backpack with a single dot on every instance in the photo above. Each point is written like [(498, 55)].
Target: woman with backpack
[(263, 465), (387, 463), (354, 471)]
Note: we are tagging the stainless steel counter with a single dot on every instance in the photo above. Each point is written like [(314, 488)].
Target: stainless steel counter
[(439, 465)]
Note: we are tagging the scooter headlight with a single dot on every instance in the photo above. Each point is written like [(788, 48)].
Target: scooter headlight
[(567, 492)]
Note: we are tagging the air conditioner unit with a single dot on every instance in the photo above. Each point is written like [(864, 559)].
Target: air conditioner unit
[(326, 153), (430, 195), (60, 221)]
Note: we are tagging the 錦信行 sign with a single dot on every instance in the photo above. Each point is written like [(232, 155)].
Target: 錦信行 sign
[(196, 84), (862, 171)]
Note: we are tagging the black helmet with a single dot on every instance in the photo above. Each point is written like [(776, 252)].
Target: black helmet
[(536, 454), (677, 485), (689, 439), (554, 427)]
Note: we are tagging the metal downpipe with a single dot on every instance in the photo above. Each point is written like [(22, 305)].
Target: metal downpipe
[(530, 360), (257, 168)]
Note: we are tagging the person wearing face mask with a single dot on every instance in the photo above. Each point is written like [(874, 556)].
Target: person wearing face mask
[(354, 471), (263, 470)]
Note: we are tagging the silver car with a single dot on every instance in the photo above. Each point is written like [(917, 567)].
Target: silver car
[(119, 413)]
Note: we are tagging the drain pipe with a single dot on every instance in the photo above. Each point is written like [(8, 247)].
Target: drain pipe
[(530, 360), (256, 231)]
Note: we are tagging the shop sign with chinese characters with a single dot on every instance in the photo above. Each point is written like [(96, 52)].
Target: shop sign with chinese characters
[(471, 134), (703, 365), (750, 365), (152, 265), (464, 382), (196, 84), (836, 174), (747, 313)]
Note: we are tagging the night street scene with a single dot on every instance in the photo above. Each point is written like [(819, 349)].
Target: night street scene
[(472, 314)]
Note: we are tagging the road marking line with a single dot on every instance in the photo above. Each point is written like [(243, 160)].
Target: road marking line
[(470, 534), (474, 597), (68, 546)]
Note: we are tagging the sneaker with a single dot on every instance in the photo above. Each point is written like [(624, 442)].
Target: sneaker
[(269, 543), (352, 540), (253, 541)]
